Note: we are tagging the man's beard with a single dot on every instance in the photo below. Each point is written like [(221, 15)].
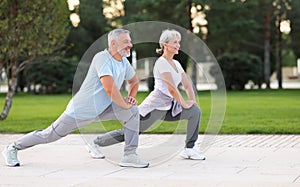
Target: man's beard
[(123, 53)]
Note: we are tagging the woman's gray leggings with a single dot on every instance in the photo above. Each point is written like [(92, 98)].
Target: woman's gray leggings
[(192, 114)]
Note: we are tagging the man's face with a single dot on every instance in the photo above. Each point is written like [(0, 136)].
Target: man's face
[(124, 45)]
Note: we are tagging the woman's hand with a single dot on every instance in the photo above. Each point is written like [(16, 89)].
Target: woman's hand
[(188, 104)]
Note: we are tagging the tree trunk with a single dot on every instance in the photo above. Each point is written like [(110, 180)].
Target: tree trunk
[(279, 67), (267, 49), (1, 65), (11, 91), (192, 50)]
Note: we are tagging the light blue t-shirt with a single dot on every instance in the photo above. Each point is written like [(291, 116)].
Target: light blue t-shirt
[(91, 99)]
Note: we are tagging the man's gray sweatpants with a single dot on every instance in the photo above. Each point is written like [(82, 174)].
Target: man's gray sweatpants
[(192, 114), (66, 124)]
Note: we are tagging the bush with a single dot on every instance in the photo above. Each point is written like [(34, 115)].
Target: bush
[(51, 77), (238, 69)]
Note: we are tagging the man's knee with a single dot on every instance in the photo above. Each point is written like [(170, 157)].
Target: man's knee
[(48, 134), (134, 114), (135, 110)]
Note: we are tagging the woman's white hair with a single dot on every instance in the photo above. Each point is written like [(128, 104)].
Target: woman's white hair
[(114, 35), (165, 37)]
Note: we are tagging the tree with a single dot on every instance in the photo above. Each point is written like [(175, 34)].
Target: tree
[(231, 25), (246, 67), (145, 10), (266, 11), (294, 15), (29, 30), (282, 7), (51, 77), (92, 25), (251, 26)]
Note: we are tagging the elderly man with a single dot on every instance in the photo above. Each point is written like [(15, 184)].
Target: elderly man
[(98, 99)]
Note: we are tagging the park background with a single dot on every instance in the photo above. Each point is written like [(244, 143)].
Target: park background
[(256, 43)]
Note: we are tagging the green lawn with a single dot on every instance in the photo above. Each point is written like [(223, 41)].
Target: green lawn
[(247, 112)]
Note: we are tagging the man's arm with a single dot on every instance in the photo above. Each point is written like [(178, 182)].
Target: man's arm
[(133, 86), (113, 92)]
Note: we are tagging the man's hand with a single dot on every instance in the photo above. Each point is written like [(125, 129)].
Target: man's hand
[(131, 100)]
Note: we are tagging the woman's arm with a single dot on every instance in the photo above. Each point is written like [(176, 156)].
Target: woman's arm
[(187, 84), (168, 80)]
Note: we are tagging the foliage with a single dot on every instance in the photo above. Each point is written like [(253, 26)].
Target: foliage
[(92, 26), (146, 10), (29, 29), (231, 24), (51, 77), (293, 15), (251, 26), (240, 68), (289, 59), (177, 12)]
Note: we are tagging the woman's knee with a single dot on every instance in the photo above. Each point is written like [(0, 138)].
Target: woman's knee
[(196, 111)]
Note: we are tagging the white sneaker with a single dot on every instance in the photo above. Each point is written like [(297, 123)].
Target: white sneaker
[(10, 156), (191, 153), (94, 151), (133, 160)]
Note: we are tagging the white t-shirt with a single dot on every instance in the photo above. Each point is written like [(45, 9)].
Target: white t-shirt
[(91, 99), (162, 66)]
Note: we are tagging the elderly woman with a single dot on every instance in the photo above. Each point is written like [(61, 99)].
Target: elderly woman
[(165, 102)]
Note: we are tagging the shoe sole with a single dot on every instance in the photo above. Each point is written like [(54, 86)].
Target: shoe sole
[(190, 158), (197, 158), (133, 165), (4, 155), (185, 157), (95, 157)]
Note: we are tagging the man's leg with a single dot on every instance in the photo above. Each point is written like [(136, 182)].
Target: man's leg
[(130, 118), (60, 128)]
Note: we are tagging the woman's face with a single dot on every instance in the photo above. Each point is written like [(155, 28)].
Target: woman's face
[(173, 46)]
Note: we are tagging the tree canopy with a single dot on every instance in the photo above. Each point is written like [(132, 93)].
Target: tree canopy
[(29, 30)]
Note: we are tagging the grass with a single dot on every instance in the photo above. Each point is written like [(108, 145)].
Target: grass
[(263, 112), (247, 112)]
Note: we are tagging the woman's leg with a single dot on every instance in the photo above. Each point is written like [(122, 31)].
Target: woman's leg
[(130, 132), (193, 116), (117, 136)]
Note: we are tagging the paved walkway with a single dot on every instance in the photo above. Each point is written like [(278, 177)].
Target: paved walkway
[(232, 160)]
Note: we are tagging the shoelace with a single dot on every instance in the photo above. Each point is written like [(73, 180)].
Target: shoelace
[(13, 154)]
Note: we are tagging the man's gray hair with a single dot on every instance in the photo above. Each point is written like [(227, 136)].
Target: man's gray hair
[(114, 34)]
